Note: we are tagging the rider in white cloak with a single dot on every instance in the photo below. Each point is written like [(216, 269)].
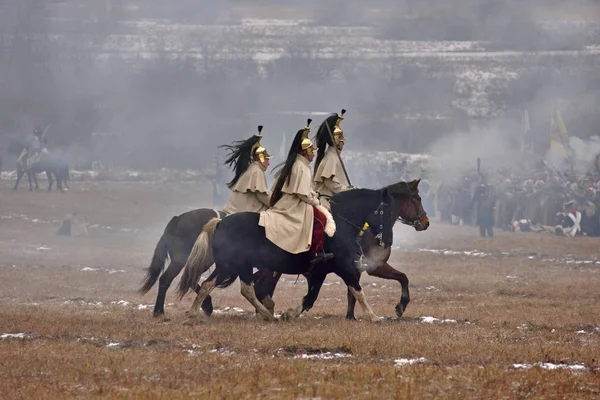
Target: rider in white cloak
[(249, 191), (296, 222), (330, 178)]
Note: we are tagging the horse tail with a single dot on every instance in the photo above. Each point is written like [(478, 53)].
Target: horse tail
[(160, 256), (200, 259)]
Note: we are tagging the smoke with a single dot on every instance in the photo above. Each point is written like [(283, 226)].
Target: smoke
[(494, 144), (586, 151), (149, 85)]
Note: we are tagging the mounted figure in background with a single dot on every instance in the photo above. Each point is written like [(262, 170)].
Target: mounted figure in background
[(35, 159)]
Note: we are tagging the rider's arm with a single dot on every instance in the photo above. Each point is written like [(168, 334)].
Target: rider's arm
[(334, 186), (311, 199), (264, 198)]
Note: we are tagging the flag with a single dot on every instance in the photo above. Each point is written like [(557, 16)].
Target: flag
[(559, 141)]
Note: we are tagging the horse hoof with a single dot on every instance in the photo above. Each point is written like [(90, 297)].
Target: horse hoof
[(161, 317), (350, 317), (286, 317), (375, 319), (400, 310), (191, 321)]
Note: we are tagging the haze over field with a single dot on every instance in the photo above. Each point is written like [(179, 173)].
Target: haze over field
[(146, 85)]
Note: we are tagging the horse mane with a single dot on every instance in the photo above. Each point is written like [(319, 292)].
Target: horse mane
[(240, 157), (350, 196), (323, 139), (401, 188), (285, 172)]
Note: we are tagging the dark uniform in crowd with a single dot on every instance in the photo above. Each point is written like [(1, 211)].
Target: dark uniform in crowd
[(485, 200)]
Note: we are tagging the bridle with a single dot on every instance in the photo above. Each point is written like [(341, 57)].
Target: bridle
[(366, 226), (416, 223)]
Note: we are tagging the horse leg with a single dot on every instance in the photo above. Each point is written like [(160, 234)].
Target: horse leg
[(247, 290), (164, 283), (35, 181), (50, 181), (386, 271), (315, 283), (351, 303), (205, 289), (265, 281), (20, 173), (350, 278), (30, 179)]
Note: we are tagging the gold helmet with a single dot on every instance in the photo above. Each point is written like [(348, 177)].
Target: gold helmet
[(306, 143), (338, 133), (258, 152)]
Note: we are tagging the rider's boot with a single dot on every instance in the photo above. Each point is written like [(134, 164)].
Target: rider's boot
[(320, 257)]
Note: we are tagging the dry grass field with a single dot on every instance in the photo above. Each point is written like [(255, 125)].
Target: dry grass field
[(512, 317)]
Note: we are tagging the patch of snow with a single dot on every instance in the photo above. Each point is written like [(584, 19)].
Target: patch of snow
[(43, 248), (14, 336), (230, 310), (144, 306), (551, 366), (84, 303), (581, 331), (113, 344), (85, 269), (431, 320), (323, 356), (400, 362), (223, 352), (120, 303)]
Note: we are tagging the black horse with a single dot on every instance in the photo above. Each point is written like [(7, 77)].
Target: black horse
[(408, 210), (237, 244), (51, 163)]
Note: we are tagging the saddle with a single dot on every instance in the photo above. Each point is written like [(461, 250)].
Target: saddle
[(318, 236)]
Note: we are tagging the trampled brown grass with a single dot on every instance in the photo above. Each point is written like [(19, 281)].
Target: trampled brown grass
[(518, 299)]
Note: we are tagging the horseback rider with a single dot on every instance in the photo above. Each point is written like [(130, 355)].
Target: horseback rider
[(296, 222), (330, 177), (249, 160)]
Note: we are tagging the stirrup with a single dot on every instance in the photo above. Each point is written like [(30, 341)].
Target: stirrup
[(362, 262), (321, 258)]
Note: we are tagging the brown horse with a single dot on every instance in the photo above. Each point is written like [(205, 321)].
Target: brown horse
[(408, 207), (176, 242)]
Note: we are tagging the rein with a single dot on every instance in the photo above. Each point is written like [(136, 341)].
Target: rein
[(366, 226)]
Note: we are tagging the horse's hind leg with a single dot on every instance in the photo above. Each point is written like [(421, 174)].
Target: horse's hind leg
[(20, 174), (265, 281), (350, 278), (247, 290), (50, 181), (205, 289), (30, 179), (315, 282), (164, 283), (351, 301), (386, 271)]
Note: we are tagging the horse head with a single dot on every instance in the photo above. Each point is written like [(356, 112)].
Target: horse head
[(408, 207)]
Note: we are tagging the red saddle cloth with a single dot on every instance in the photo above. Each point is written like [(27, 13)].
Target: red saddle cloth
[(318, 236)]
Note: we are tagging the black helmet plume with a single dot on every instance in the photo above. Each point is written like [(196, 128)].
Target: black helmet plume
[(324, 137), (240, 156), (285, 173)]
